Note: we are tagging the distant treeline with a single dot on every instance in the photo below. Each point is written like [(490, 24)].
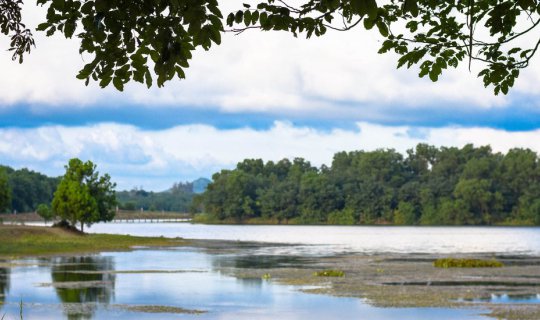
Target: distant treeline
[(25, 189), (430, 186), (178, 198)]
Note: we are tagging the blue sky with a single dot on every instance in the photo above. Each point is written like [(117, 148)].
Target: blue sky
[(311, 100)]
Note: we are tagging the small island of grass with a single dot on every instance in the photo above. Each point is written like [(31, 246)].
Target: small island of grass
[(329, 273), (467, 263), (16, 240)]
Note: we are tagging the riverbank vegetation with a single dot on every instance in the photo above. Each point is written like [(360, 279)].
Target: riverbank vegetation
[(30, 240), (429, 186), (467, 263)]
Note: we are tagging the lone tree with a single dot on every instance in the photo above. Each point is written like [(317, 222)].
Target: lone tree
[(44, 211), (127, 39), (83, 196)]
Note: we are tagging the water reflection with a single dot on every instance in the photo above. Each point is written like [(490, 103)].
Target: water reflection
[(509, 298), (97, 287), (4, 285), (254, 261), (251, 283), (83, 282)]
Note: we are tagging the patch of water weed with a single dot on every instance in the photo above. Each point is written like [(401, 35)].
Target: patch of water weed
[(159, 309), (329, 273), (467, 263), (464, 283)]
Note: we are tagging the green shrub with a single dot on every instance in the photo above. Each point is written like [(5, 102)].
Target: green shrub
[(329, 273), (343, 217), (467, 263)]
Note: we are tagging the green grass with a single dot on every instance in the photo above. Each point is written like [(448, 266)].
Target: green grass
[(30, 241), (329, 273), (467, 263)]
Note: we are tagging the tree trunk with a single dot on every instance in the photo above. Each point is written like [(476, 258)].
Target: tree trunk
[(82, 226)]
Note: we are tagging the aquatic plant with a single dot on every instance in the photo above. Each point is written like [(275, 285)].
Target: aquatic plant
[(266, 276), (467, 263), (329, 273)]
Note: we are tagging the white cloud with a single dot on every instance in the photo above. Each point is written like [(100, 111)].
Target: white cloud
[(156, 159), (256, 71)]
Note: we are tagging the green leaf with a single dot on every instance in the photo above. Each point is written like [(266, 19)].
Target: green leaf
[(238, 17), (371, 8), (411, 6), (254, 17), (247, 18), (118, 83), (383, 29), (230, 19), (42, 26), (69, 29), (368, 23), (148, 78)]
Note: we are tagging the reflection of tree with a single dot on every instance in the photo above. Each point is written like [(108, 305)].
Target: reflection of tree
[(4, 284), (83, 282)]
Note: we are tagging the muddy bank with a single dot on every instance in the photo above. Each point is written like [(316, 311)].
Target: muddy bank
[(395, 280)]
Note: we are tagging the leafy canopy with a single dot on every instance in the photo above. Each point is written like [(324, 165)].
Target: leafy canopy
[(5, 191), (83, 196), (127, 39)]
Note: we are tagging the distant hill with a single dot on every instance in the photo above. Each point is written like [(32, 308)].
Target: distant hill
[(199, 185)]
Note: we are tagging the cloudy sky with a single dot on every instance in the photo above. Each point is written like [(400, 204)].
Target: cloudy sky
[(258, 95)]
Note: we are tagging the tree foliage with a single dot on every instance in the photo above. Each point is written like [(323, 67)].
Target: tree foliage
[(136, 40), (178, 198), (21, 39), (27, 189), (83, 196), (30, 188), (5, 191), (45, 212), (432, 186)]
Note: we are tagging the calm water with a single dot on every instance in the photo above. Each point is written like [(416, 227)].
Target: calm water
[(337, 239), (97, 287)]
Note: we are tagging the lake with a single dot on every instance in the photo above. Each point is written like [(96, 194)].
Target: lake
[(158, 283), (363, 239)]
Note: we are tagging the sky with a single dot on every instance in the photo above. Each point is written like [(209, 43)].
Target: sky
[(258, 95)]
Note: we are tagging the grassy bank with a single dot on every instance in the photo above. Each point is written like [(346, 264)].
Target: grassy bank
[(28, 240)]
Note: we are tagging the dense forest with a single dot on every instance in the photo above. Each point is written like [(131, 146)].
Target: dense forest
[(178, 198), (24, 189), (429, 185)]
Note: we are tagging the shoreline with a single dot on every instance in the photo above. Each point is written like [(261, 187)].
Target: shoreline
[(35, 241)]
